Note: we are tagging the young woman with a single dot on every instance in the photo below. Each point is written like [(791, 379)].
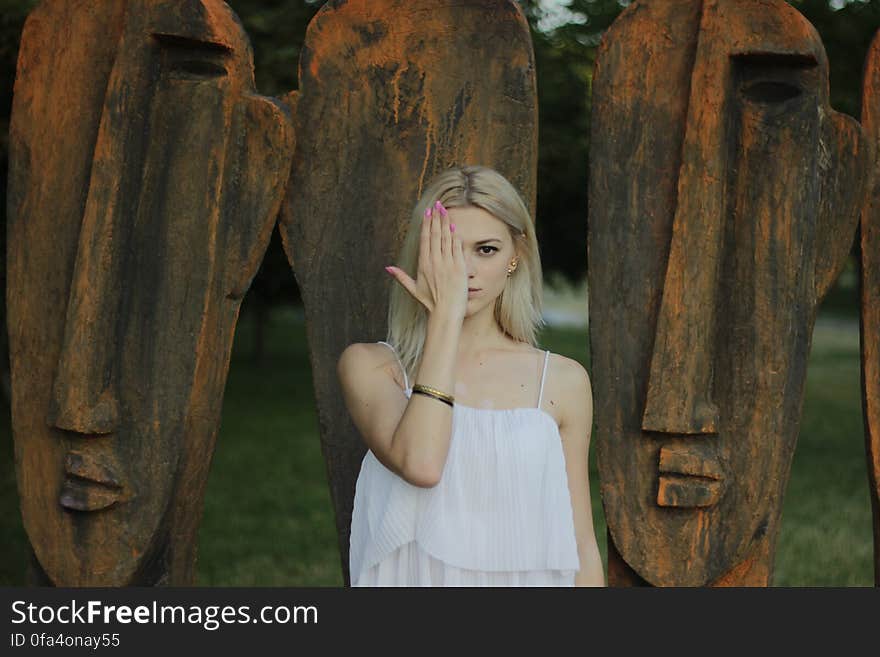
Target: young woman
[(476, 472)]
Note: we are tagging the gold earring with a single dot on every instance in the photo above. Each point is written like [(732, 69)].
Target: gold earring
[(512, 268)]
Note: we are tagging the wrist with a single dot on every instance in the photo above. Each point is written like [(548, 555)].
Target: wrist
[(443, 330), (445, 315)]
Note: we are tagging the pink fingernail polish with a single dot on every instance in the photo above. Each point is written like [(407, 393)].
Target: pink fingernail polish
[(427, 213), (443, 210), (390, 270), (452, 227)]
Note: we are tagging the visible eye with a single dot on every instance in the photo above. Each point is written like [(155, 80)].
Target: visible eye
[(771, 91), (493, 249)]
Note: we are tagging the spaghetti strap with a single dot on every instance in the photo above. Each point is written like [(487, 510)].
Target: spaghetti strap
[(543, 376), (399, 362), (500, 515)]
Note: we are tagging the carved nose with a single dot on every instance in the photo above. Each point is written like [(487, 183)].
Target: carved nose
[(73, 408), (679, 396), (84, 397)]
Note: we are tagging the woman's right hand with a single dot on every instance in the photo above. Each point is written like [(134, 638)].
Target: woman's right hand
[(441, 280)]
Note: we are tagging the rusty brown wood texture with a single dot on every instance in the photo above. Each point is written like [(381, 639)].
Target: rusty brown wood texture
[(391, 93), (724, 198), (870, 291), (145, 179)]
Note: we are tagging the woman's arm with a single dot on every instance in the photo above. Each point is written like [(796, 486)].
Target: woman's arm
[(575, 428), (411, 437)]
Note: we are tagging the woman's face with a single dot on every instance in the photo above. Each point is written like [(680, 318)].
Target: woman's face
[(488, 249)]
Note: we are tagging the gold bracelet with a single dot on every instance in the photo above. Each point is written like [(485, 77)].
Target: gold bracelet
[(433, 392)]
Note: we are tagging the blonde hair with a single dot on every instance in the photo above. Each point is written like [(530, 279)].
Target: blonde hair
[(518, 310)]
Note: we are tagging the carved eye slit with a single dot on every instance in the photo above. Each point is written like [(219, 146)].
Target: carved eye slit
[(197, 68), (771, 91), (193, 59)]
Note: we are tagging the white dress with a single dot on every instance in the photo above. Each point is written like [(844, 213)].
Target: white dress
[(501, 514)]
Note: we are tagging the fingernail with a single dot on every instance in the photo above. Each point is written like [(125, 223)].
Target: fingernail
[(443, 210), (427, 213), (390, 270), (452, 227)]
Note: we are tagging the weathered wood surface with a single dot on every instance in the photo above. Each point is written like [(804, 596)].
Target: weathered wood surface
[(145, 180), (724, 197), (391, 93), (870, 291)]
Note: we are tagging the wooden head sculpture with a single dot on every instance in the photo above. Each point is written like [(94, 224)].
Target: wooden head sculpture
[(391, 92), (724, 198), (870, 291), (145, 179)]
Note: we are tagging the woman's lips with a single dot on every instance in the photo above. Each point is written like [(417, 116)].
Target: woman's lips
[(473, 290)]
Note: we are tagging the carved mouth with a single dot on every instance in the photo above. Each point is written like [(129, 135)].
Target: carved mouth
[(91, 483), (690, 477)]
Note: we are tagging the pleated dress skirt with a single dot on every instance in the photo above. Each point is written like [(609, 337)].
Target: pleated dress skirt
[(501, 514)]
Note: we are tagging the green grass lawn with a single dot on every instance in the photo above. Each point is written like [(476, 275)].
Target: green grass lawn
[(268, 518)]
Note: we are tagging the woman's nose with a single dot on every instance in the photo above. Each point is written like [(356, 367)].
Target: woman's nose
[(469, 264)]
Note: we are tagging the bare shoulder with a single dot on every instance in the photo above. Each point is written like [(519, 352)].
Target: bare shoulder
[(359, 355), (569, 389), (571, 375), (363, 358), (374, 399), (357, 352)]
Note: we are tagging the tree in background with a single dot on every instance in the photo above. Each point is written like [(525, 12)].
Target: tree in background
[(565, 55), (565, 51), (846, 28), (277, 29), (564, 58)]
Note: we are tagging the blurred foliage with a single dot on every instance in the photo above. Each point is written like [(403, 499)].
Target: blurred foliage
[(564, 59), (268, 517), (846, 34), (277, 29), (565, 51)]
